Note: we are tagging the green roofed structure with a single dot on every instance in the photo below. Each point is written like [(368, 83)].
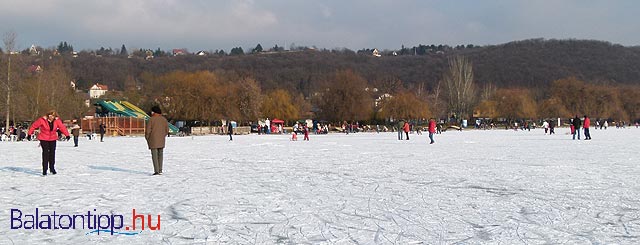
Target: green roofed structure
[(126, 109)]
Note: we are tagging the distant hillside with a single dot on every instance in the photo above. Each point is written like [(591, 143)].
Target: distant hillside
[(537, 62), (529, 63)]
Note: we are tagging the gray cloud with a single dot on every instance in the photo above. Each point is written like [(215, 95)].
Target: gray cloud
[(385, 24)]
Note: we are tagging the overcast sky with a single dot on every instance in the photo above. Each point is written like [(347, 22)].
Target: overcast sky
[(383, 24)]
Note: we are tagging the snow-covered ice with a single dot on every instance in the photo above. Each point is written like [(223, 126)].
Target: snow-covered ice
[(474, 186)]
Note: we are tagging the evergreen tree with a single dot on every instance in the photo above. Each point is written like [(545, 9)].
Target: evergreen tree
[(123, 50), (160, 53), (257, 49), (64, 47), (236, 51), (276, 48)]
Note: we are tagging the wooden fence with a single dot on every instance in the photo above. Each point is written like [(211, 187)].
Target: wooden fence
[(114, 125), (219, 130)]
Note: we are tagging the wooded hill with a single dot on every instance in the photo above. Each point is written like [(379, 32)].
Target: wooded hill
[(528, 64), (524, 79)]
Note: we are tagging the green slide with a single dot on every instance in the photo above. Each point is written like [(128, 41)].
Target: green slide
[(126, 109)]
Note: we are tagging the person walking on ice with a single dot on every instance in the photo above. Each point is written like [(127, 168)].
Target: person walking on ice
[(399, 128), (102, 130), (48, 136), (587, 123), (305, 130), (577, 123), (230, 130), (406, 128), (432, 130), (75, 130), (155, 133)]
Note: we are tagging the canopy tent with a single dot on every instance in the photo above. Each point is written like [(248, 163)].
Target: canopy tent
[(276, 126)]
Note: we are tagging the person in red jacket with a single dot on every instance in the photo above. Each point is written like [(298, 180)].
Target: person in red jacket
[(432, 130), (587, 123), (305, 129), (48, 126), (406, 129)]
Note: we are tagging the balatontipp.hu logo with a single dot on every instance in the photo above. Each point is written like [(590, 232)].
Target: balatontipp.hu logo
[(112, 223)]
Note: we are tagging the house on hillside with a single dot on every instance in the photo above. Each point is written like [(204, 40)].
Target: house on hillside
[(376, 53), (382, 98), (34, 68), (97, 90), (73, 85), (177, 52), (148, 55), (33, 51)]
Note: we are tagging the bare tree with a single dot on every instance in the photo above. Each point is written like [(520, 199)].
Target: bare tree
[(345, 98), (9, 45), (488, 90), (459, 87), (436, 100)]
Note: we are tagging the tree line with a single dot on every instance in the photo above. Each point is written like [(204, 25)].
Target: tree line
[(525, 79)]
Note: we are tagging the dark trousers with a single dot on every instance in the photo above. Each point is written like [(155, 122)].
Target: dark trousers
[(48, 156), (156, 157), (230, 136), (101, 136), (587, 135), (407, 133), (75, 140)]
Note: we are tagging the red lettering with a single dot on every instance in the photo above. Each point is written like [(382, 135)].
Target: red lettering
[(135, 217)]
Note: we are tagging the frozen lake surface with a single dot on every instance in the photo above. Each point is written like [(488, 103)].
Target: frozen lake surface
[(498, 186)]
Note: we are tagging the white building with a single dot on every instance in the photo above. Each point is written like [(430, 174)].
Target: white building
[(382, 98), (376, 53), (97, 90)]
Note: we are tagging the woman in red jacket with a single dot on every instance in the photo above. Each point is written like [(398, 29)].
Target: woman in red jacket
[(432, 129), (48, 126), (406, 129), (587, 123)]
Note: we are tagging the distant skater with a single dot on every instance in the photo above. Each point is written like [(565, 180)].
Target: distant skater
[(75, 131), (48, 126), (406, 128), (399, 128), (102, 130), (432, 130), (230, 130), (577, 123), (587, 123)]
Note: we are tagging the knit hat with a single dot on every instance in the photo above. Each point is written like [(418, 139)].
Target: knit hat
[(156, 109)]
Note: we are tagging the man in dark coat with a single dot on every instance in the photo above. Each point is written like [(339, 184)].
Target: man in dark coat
[(576, 124), (230, 130), (102, 130), (155, 133), (75, 131)]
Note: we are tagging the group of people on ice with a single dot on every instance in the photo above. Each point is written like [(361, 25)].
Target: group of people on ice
[(50, 126), (576, 124), (403, 127)]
